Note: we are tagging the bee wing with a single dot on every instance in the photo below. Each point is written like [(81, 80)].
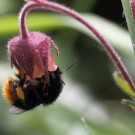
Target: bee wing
[(16, 110)]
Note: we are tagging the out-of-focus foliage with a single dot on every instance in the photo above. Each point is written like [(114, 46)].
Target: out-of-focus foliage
[(86, 82)]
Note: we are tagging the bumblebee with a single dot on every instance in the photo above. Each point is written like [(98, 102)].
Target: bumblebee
[(25, 94)]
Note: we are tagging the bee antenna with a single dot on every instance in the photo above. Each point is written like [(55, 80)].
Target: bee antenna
[(70, 66)]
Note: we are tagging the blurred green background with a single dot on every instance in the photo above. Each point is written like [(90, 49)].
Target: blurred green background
[(90, 91)]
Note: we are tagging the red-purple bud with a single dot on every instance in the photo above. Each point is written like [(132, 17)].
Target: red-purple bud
[(132, 4), (32, 56)]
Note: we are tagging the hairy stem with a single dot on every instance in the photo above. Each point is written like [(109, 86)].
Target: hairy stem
[(22, 18), (43, 4)]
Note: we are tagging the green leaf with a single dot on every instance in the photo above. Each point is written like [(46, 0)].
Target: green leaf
[(123, 84), (128, 102)]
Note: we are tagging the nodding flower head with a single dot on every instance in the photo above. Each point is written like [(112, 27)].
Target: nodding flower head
[(32, 55)]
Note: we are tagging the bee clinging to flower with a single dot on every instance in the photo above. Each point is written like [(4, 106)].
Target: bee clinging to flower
[(39, 80)]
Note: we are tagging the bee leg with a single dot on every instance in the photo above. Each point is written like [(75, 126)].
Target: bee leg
[(17, 74), (46, 82), (45, 89)]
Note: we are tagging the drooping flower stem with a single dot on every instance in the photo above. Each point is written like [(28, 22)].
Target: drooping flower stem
[(41, 4), (22, 18)]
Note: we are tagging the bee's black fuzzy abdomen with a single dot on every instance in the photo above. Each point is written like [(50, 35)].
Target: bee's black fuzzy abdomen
[(40, 93), (55, 87)]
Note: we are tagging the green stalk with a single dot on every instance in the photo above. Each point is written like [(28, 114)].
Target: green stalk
[(130, 20)]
